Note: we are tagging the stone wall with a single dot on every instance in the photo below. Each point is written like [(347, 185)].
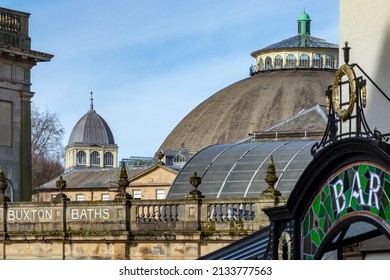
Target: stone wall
[(127, 228)]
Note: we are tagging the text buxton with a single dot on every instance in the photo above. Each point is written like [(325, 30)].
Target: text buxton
[(48, 214)]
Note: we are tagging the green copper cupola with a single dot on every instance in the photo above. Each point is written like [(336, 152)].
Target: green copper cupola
[(304, 24)]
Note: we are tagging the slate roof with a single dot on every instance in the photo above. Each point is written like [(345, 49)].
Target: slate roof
[(89, 179), (98, 178), (312, 119), (254, 246), (307, 124)]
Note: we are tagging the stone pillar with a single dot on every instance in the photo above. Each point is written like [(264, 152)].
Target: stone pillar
[(191, 211), (25, 147), (62, 199)]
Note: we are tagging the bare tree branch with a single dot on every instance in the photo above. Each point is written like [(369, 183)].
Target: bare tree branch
[(46, 146)]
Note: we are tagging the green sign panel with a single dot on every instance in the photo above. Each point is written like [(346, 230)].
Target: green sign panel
[(361, 188)]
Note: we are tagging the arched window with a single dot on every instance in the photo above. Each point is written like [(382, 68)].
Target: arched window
[(291, 61), (268, 63), (260, 66), (317, 61), (81, 158), (304, 61), (329, 61), (278, 62), (108, 159), (95, 158)]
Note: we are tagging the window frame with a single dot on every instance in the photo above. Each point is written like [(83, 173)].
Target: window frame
[(81, 157), (160, 194)]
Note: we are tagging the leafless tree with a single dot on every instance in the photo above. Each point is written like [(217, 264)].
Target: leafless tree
[(46, 146)]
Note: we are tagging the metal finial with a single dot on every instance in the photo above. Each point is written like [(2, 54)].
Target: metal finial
[(346, 52), (91, 106)]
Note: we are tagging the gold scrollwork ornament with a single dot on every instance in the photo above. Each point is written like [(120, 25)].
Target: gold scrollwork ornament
[(344, 114)]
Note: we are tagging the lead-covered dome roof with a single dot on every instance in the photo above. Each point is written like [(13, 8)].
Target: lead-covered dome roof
[(249, 105), (91, 129)]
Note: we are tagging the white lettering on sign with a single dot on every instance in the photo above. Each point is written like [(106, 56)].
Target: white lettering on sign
[(47, 214), (29, 214), (90, 214), (357, 192), (339, 196), (374, 189)]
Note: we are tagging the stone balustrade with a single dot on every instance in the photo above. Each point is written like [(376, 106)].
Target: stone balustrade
[(126, 224), (14, 28), (95, 216)]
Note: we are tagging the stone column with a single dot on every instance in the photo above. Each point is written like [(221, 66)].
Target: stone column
[(191, 211), (25, 147)]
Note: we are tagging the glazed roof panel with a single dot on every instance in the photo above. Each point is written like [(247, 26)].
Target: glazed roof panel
[(238, 170), (295, 42)]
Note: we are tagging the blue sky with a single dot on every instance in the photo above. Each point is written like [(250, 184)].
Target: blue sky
[(149, 63)]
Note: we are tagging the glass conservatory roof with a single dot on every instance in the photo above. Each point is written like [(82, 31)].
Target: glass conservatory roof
[(296, 42), (238, 170)]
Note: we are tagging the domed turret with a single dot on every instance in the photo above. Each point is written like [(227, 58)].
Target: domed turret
[(91, 143), (91, 129), (304, 24)]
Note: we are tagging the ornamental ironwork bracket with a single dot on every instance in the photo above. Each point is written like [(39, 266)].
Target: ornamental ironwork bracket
[(346, 118)]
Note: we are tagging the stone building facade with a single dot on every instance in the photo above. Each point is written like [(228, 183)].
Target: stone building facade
[(100, 185), (16, 61)]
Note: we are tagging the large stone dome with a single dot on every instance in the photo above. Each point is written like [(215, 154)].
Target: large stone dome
[(248, 106)]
